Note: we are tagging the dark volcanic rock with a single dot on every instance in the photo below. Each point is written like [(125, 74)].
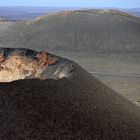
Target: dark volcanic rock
[(78, 108)]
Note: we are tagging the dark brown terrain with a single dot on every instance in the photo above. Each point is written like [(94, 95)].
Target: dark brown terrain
[(78, 108)]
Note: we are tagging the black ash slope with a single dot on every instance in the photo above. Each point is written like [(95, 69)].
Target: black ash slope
[(68, 109)]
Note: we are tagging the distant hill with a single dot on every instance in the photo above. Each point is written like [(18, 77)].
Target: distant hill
[(28, 12), (79, 108), (134, 11), (2, 19), (81, 30)]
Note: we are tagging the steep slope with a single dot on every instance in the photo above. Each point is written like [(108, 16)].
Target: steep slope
[(81, 30), (77, 108)]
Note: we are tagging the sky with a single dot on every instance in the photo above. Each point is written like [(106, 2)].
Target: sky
[(73, 3)]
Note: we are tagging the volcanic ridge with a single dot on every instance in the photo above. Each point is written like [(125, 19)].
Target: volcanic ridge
[(63, 102)]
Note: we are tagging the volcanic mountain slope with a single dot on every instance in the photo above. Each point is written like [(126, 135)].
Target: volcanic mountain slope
[(81, 30), (69, 108)]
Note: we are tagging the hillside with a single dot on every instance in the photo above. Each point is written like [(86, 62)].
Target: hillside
[(77, 108), (4, 27), (82, 30), (79, 35), (28, 12)]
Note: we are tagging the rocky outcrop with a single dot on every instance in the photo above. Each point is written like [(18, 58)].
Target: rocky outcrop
[(18, 64)]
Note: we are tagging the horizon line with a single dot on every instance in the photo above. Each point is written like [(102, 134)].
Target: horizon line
[(66, 6)]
